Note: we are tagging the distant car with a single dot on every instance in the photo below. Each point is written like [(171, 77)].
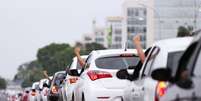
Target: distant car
[(34, 95), (54, 94), (70, 81), (163, 54), (184, 84), (44, 88), (97, 81), (25, 95)]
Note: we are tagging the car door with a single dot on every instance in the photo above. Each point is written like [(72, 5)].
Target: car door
[(139, 90), (80, 82), (186, 84), (193, 68)]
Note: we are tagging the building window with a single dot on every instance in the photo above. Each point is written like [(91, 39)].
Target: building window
[(130, 11), (118, 31), (99, 40), (145, 12), (136, 12), (144, 29), (117, 39)]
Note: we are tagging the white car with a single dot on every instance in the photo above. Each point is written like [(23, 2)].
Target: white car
[(185, 84), (97, 81), (164, 53), (70, 81), (44, 88), (34, 95)]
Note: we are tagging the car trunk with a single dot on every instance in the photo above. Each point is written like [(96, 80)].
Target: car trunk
[(114, 82)]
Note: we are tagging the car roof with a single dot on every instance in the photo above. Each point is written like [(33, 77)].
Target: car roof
[(59, 72), (100, 53), (35, 84), (174, 43), (197, 36), (83, 56), (42, 80), (51, 77), (167, 46)]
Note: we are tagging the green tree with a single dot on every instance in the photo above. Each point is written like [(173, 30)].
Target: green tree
[(28, 73), (2, 83), (183, 31), (92, 46), (55, 57)]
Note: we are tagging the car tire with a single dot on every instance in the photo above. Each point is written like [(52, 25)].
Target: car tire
[(83, 99)]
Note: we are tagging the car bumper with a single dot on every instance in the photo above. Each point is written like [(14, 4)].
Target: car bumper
[(103, 94)]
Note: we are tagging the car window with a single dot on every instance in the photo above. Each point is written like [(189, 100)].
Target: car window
[(149, 61), (186, 61), (117, 62), (36, 86), (59, 78), (197, 70), (78, 65), (172, 61), (88, 61)]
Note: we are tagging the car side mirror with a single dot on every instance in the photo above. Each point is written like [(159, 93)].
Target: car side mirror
[(161, 74), (122, 74), (73, 72)]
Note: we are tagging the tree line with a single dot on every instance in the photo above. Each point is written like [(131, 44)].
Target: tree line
[(52, 58)]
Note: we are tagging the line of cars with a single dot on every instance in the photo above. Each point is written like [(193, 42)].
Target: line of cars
[(171, 72)]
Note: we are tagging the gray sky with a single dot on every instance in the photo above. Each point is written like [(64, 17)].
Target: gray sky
[(26, 25)]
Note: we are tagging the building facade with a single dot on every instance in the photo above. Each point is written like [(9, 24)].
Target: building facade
[(137, 19), (158, 19), (114, 31), (172, 14)]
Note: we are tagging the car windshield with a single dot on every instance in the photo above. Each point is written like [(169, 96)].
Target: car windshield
[(59, 79), (117, 62), (36, 86)]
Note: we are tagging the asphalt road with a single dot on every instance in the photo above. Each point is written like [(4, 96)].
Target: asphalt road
[(2, 97)]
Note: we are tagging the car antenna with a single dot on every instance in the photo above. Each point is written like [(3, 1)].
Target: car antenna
[(126, 45)]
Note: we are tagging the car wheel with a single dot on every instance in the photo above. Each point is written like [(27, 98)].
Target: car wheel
[(83, 99)]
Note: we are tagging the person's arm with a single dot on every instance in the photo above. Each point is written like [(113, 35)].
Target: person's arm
[(77, 53), (46, 75), (137, 43)]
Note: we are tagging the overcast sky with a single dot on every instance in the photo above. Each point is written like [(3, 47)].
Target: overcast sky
[(26, 25)]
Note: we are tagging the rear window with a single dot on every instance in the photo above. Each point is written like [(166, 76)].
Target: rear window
[(58, 79), (117, 62), (173, 61)]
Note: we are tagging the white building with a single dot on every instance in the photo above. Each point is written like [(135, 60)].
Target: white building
[(100, 36), (88, 38), (175, 13), (158, 19), (114, 27), (138, 20)]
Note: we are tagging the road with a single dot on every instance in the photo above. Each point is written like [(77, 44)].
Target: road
[(2, 97)]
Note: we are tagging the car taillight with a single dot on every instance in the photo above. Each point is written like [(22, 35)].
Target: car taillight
[(73, 80), (33, 93), (54, 90), (94, 75), (160, 90)]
